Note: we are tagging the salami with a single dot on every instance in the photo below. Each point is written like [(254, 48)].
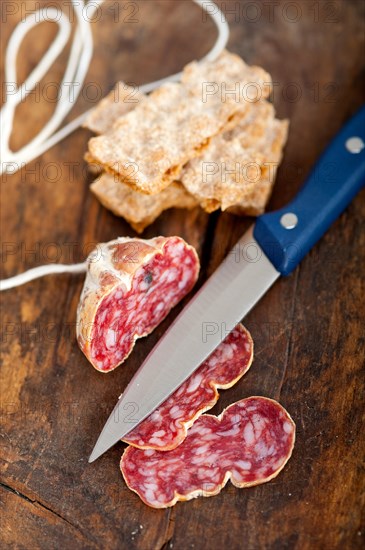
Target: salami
[(167, 426), (130, 286), (249, 443)]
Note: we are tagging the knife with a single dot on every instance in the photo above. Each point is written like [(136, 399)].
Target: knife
[(273, 246)]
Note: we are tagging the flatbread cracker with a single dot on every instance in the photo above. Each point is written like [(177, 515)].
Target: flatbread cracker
[(233, 164), (271, 146), (148, 146), (120, 101), (223, 175), (229, 78), (138, 209)]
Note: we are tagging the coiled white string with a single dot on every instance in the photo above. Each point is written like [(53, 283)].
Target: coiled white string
[(75, 73), (76, 69)]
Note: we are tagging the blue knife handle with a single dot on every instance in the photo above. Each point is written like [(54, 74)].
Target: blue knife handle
[(287, 235)]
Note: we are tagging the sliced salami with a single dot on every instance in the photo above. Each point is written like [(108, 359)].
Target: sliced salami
[(249, 443), (167, 426), (130, 287)]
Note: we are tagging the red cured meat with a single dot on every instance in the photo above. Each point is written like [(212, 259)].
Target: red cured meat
[(167, 426), (249, 443), (130, 287)]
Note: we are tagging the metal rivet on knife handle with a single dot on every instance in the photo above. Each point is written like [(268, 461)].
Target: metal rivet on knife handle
[(355, 145), (289, 220)]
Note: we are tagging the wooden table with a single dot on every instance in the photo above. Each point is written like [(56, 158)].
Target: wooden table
[(308, 330)]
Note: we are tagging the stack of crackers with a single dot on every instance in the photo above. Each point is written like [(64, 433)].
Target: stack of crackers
[(210, 140)]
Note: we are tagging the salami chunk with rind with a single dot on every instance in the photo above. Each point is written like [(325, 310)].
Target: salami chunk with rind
[(130, 287), (249, 443), (167, 426)]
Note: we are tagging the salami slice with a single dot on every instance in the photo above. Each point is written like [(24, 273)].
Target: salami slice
[(167, 426), (130, 286), (249, 443)]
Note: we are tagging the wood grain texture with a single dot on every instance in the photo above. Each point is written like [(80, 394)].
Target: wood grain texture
[(308, 330)]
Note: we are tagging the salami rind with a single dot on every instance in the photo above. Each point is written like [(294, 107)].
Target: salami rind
[(167, 426), (249, 443), (130, 287)]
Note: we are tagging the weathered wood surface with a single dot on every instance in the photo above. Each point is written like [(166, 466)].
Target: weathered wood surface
[(308, 330)]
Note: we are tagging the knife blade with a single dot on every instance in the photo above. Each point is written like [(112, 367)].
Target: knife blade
[(272, 247), (243, 277)]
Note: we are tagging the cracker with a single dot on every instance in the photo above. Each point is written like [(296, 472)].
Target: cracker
[(271, 146), (138, 209), (120, 101), (229, 78), (232, 165), (148, 146), (223, 175)]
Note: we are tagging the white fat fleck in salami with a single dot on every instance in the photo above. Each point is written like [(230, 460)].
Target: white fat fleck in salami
[(167, 426), (201, 465), (130, 287)]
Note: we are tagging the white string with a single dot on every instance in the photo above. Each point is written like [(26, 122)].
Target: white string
[(41, 271), (75, 73), (76, 69)]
